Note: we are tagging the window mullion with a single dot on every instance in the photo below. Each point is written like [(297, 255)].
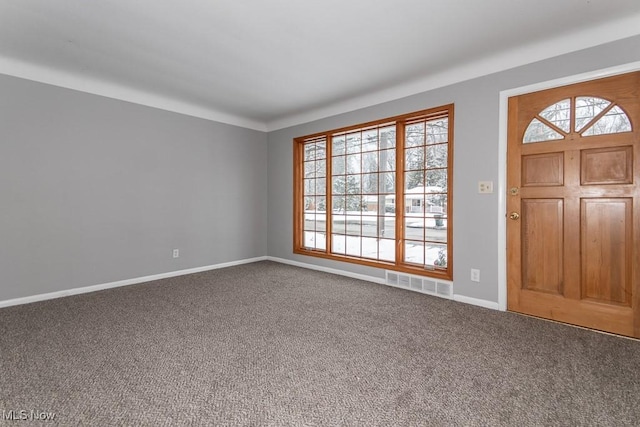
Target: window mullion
[(300, 147), (299, 193), (329, 194), (400, 131)]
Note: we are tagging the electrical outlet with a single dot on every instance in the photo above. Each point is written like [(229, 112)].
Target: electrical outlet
[(176, 253), (485, 187), (475, 275)]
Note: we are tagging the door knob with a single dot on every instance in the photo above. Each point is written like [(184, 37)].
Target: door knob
[(514, 215)]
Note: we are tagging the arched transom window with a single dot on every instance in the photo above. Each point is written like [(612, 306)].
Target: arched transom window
[(587, 115)]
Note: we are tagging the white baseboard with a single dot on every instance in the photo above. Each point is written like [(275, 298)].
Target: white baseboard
[(373, 279), (460, 298), (100, 287), (42, 297), (475, 301)]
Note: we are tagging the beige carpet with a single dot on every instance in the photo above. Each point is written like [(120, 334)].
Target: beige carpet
[(270, 344)]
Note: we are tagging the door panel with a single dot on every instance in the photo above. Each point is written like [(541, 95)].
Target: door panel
[(606, 250), (607, 166), (573, 225), (542, 169), (542, 253)]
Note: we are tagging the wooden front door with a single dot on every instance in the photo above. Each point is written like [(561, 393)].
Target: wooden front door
[(573, 204)]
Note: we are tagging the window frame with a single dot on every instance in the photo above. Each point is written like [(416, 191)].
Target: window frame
[(399, 196)]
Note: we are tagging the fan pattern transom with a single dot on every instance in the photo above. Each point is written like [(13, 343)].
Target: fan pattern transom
[(584, 115)]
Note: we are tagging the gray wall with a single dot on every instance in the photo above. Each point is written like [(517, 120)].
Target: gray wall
[(476, 152), (94, 190)]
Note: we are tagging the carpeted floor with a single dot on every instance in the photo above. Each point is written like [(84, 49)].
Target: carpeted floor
[(271, 344)]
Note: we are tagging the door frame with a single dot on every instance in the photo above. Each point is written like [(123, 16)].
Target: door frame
[(502, 155)]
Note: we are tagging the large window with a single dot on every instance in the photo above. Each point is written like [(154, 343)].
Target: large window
[(378, 193)]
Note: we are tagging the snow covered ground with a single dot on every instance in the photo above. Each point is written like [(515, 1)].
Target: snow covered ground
[(370, 246)]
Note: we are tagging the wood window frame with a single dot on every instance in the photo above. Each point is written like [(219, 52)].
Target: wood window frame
[(399, 264)]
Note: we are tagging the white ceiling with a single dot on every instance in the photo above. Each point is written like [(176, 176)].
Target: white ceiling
[(269, 64)]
